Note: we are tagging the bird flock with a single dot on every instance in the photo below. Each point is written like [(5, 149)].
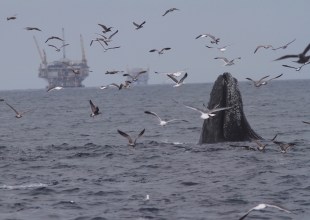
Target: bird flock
[(178, 77)]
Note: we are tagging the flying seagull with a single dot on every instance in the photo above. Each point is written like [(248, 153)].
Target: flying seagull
[(162, 122), (170, 10), (32, 29), (302, 58), (262, 46), (114, 72), (135, 77), (105, 28), (53, 88), (226, 61), (94, 109), (53, 37), (56, 48), (214, 40), (222, 49), (18, 114), (11, 18), (206, 113), (131, 141), (284, 46), (178, 82), (174, 74), (260, 82), (297, 68), (161, 51), (262, 206), (112, 85), (138, 26)]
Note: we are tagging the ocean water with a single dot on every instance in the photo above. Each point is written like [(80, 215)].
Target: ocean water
[(57, 162)]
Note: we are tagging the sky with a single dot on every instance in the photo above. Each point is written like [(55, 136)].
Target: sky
[(242, 24)]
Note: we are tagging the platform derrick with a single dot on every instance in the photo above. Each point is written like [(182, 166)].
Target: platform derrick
[(63, 72)]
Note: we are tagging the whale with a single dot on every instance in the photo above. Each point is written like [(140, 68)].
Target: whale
[(229, 125)]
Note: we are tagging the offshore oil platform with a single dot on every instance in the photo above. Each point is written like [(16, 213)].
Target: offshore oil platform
[(63, 72)]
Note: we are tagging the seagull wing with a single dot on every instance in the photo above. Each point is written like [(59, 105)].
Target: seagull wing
[(250, 79), (246, 214), (142, 23), (289, 66), (113, 34), (183, 78), (139, 135), (174, 79), (263, 78), (135, 24), (222, 58), (306, 50), (276, 77), (51, 45), (166, 48), (289, 43), (287, 56), (94, 108), (306, 122), (278, 207), (17, 113), (196, 109), (126, 136), (154, 114), (257, 48), (219, 109), (153, 50)]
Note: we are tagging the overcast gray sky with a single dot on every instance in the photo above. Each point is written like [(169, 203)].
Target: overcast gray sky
[(242, 23)]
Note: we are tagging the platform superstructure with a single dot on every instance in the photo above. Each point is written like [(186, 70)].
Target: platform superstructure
[(63, 72)]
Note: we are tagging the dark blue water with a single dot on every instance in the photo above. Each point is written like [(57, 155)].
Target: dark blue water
[(58, 163)]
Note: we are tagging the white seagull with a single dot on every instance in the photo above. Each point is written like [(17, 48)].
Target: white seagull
[(162, 122), (131, 141), (262, 206), (178, 82), (260, 82), (206, 113), (135, 77), (222, 49), (214, 40), (54, 88), (226, 61)]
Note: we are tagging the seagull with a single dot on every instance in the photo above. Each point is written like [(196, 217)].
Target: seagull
[(160, 51), (131, 142), (111, 48), (18, 114), (214, 39), (32, 29), (94, 109), (258, 83), (297, 68), (135, 77), (284, 46), (283, 146), (114, 72), (174, 74), (105, 39), (178, 82), (53, 88), (206, 113), (11, 18), (306, 122), (302, 58), (222, 49), (112, 85), (56, 48), (263, 46), (162, 122), (262, 206), (53, 37), (226, 61), (170, 10), (138, 26), (105, 28)]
